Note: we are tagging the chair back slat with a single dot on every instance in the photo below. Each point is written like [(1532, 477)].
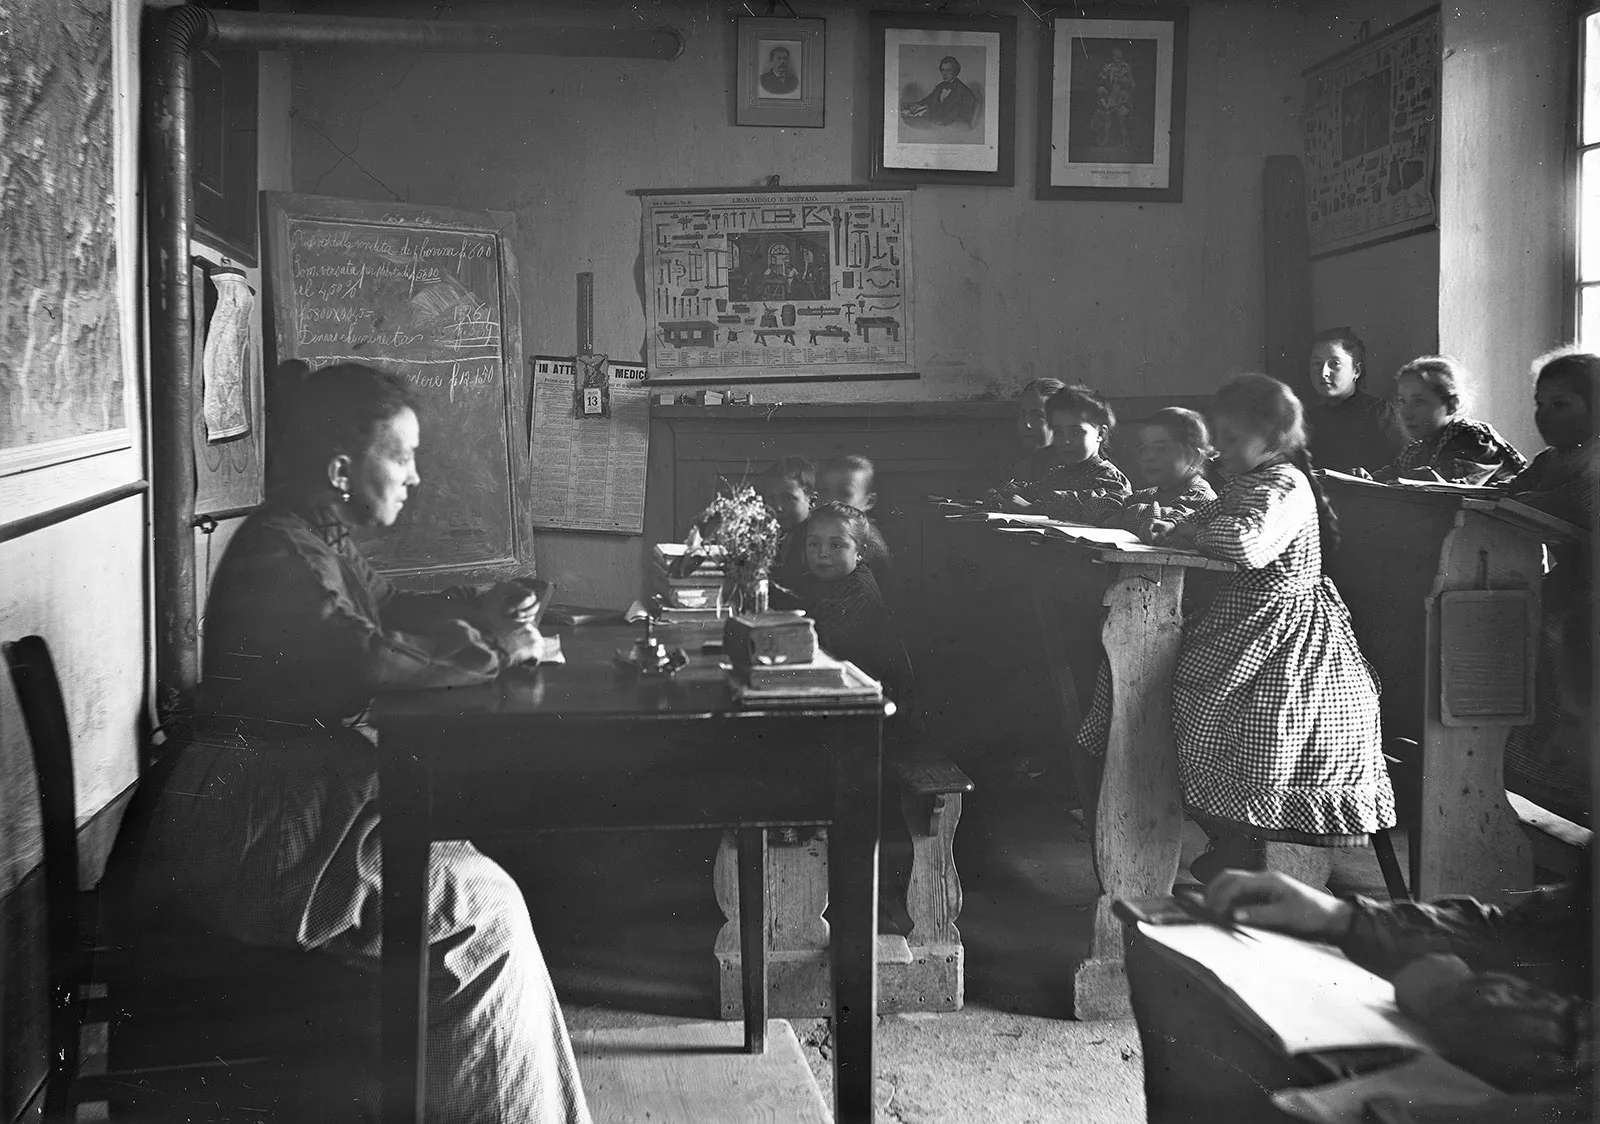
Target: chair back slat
[(44, 712)]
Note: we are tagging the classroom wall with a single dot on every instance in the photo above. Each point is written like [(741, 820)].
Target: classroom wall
[(82, 585), (1504, 197), (1140, 299), (1389, 293)]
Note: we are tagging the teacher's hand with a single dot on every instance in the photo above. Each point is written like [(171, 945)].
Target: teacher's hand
[(1273, 900), (520, 643), (510, 602)]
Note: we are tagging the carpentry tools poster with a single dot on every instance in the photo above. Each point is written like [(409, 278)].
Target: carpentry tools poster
[(769, 285)]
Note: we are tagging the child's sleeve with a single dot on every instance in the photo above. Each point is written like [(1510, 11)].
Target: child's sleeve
[(1255, 525), (1093, 501)]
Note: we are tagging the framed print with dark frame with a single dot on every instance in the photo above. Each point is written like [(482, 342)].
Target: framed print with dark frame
[(781, 74), (943, 98), (1112, 91)]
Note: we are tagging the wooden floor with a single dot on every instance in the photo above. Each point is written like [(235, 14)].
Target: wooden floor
[(696, 1073)]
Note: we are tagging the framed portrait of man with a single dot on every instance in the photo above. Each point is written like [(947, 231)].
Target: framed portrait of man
[(781, 73), (943, 94), (1112, 105)]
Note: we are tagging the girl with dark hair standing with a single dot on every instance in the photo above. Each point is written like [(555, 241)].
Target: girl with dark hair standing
[(266, 829), (1350, 428), (1275, 710)]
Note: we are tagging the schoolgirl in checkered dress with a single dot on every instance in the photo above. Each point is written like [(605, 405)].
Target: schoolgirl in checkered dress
[(1275, 709)]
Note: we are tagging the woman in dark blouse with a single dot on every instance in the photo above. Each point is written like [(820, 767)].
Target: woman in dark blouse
[(266, 830), (1350, 428)]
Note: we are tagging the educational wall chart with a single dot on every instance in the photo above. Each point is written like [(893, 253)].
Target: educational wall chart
[(778, 284), (589, 472), (1372, 138)]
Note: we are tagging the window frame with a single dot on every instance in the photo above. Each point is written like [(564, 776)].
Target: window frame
[(1576, 149)]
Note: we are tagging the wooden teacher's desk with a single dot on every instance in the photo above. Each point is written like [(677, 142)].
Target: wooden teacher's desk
[(1138, 820), (1443, 590), (590, 745)]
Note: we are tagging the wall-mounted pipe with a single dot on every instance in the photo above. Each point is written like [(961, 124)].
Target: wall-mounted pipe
[(169, 211)]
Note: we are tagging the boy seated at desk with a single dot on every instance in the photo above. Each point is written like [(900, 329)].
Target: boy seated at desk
[(849, 480), (1079, 485), (787, 487), (1033, 433), (1174, 451), (1550, 761)]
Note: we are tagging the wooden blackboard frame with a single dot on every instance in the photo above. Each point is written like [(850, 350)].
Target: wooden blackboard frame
[(280, 209)]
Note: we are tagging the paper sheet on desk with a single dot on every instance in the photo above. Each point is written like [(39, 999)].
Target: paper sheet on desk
[(1306, 995), (1079, 532), (1427, 1080)]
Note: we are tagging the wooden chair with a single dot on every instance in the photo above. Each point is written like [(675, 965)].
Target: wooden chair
[(167, 1025)]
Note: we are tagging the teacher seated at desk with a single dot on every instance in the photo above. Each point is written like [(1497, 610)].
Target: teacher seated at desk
[(1500, 992), (267, 830)]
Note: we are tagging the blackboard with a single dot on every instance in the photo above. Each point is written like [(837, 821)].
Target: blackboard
[(431, 294)]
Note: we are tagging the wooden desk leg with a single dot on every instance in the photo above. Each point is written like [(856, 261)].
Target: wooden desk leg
[(753, 935), (406, 791), (1469, 840), (1139, 823), (853, 915)]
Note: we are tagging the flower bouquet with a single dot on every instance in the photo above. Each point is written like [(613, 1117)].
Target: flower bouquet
[(738, 530)]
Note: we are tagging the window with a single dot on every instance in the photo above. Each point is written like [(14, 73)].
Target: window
[(1588, 248)]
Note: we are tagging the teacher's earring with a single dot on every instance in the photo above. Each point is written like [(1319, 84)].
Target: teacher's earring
[(344, 496)]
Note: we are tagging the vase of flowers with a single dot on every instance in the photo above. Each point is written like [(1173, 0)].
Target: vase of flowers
[(740, 528)]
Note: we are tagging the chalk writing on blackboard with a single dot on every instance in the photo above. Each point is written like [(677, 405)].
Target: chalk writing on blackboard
[(426, 298)]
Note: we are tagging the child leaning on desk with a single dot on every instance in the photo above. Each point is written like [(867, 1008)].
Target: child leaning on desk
[(1275, 710), (1078, 483), (1550, 761), (1174, 450)]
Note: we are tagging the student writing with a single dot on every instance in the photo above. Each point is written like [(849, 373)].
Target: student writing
[(1079, 485), (1174, 450), (1275, 710)]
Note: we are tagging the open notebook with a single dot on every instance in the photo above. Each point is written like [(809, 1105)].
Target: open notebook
[(1307, 997), (1054, 528)]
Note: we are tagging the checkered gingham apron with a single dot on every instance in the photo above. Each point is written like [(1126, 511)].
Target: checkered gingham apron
[(1275, 710)]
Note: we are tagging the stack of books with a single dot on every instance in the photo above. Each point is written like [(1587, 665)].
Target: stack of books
[(695, 596), (773, 660)]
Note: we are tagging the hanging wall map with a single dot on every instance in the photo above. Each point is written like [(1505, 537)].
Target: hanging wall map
[(61, 369), (778, 284), (1372, 138)]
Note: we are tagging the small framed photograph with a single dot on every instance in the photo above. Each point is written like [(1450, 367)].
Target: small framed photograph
[(1112, 92), (780, 79), (943, 98)]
